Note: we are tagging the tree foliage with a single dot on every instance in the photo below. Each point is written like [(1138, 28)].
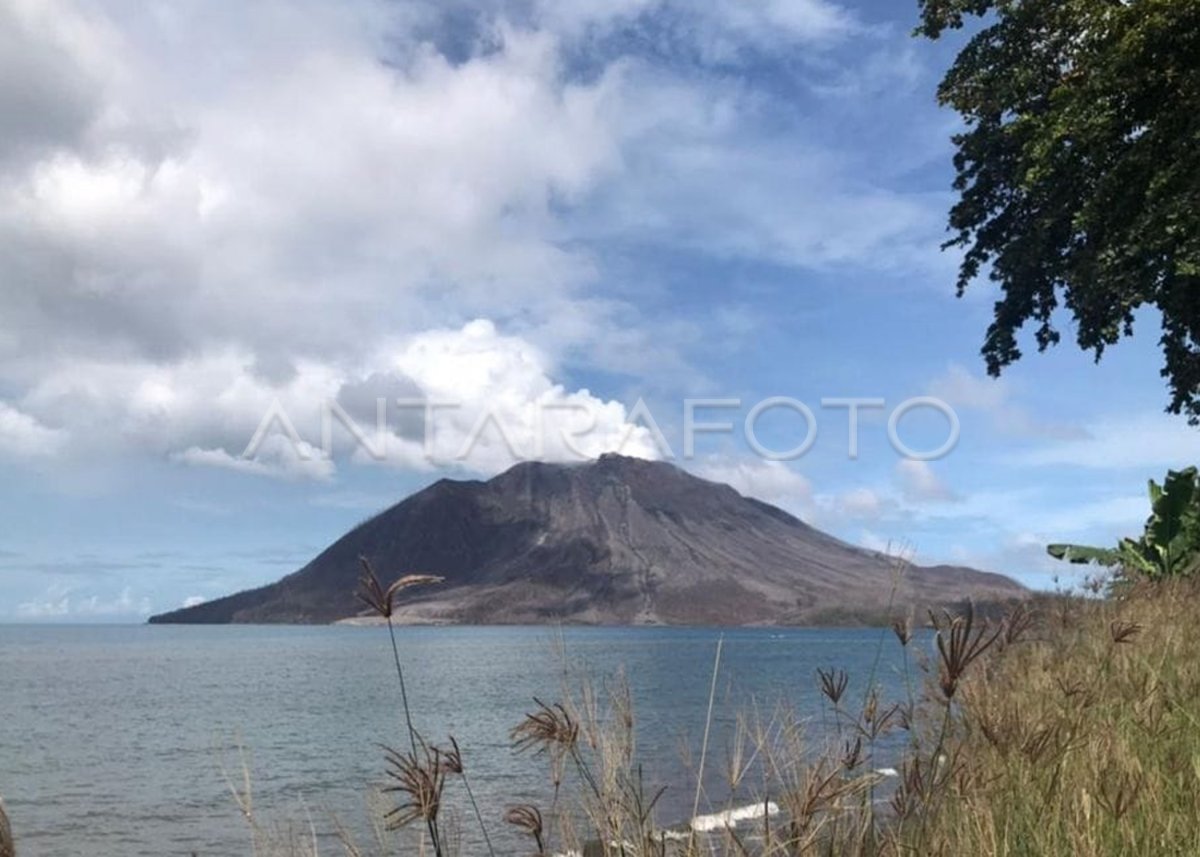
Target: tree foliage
[(1079, 170)]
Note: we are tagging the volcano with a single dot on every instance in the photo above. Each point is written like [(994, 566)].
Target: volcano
[(612, 541)]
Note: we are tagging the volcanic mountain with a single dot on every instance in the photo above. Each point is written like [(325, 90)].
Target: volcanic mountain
[(613, 541)]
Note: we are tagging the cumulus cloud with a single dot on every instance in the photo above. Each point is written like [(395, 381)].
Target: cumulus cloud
[(22, 436), (470, 398), (188, 213), (920, 484), (64, 603), (505, 404), (493, 403), (277, 455), (871, 506), (770, 481), (862, 503), (191, 409), (995, 399)]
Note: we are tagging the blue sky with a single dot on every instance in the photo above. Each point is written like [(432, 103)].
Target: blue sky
[(211, 207)]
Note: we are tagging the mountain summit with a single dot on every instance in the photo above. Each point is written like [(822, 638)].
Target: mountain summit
[(614, 541)]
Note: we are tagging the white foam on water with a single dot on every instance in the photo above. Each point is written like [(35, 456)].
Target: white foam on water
[(730, 817), (707, 823)]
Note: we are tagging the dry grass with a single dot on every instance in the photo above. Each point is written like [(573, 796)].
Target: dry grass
[(601, 804), (1084, 742)]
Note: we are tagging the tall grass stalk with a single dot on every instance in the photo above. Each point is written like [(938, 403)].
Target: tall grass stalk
[(712, 693)]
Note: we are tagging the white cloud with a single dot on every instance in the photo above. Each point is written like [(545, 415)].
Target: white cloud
[(209, 401), (862, 503), (50, 60), (876, 506), (919, 483), (1156, 442), (208, 410), (770, 481), (994, 397), (504, 398), (193, 601), (52, 608), (277, 456), (64, 603), (313, 203), (727, 26), (875, 542), (22, 436), (961, 388)]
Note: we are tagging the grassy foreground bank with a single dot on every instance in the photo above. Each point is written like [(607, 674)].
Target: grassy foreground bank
[(1084, 740)]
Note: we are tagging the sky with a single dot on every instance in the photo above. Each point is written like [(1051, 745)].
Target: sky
[(221, 223)]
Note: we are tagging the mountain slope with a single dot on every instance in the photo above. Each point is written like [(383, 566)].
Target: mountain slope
[(618, 540)]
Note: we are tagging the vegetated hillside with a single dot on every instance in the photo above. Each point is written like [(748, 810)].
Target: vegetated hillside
[(613, 541)]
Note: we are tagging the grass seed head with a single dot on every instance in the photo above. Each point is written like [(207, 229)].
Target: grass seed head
[(961, 640), (833, 684), (383, 601), (419, 779), (549, 728), (528, 819)]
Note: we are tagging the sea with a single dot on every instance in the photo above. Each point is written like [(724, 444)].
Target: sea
[(123, 741)]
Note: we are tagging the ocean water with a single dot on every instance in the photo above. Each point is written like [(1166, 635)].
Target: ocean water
[(112, 739)]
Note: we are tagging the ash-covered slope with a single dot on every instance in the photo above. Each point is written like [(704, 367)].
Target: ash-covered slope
[(614, 541)]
